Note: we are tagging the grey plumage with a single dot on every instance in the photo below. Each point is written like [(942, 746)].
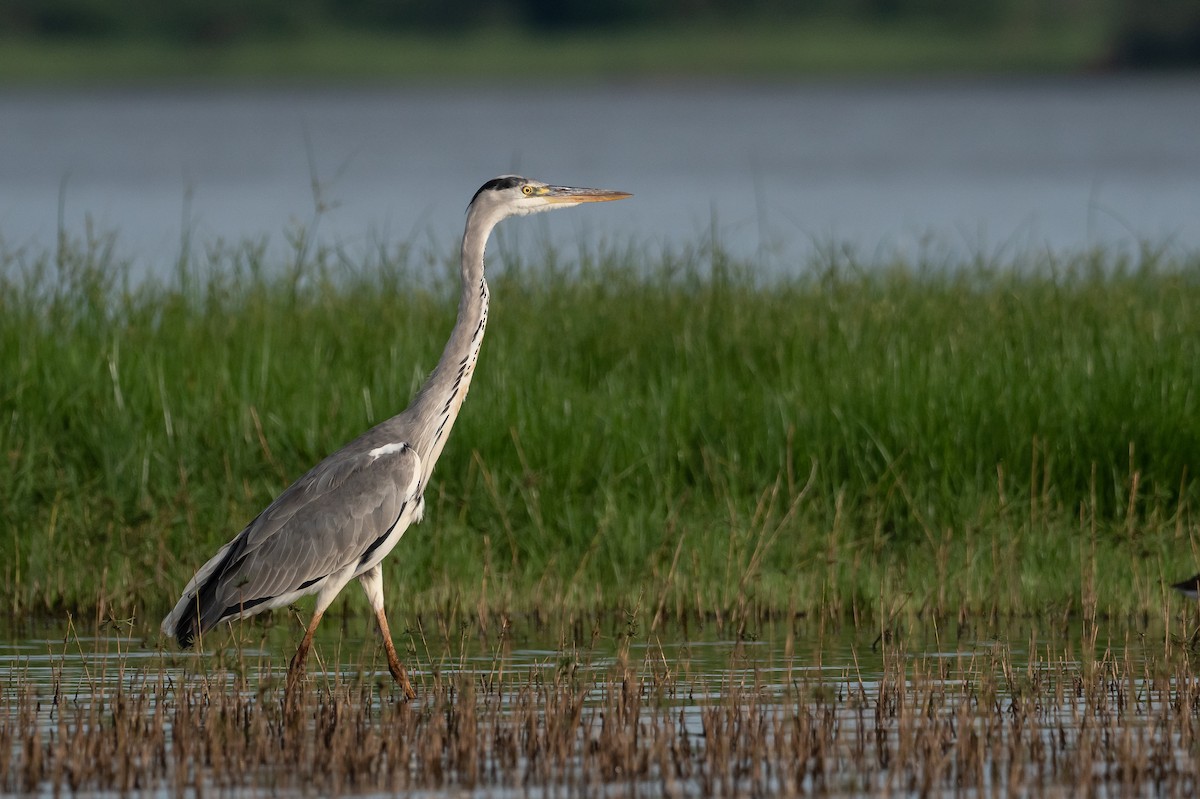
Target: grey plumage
[(338, 521), (336, 517)]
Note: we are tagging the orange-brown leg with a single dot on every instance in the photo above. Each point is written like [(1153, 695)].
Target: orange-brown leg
[(394, 664), (299, 660), (372, 583)]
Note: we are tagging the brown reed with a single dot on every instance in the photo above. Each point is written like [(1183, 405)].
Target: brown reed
[(999, 720)]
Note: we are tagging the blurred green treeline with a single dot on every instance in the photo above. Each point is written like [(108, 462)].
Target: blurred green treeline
[(1138, 33)]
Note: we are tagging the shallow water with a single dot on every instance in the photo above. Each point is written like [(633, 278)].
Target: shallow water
[(791, 710)]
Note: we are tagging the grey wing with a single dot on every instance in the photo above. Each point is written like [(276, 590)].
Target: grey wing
[(327, 520)]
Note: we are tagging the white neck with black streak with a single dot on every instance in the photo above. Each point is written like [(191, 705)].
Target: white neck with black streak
[(437, 404)]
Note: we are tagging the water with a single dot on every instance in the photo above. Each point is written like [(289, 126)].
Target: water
[(798, 710), (975, 166)]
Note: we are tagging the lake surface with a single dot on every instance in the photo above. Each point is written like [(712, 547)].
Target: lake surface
[(885, 166)]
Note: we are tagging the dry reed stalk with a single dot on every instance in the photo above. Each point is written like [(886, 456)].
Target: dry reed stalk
[(981, 722)]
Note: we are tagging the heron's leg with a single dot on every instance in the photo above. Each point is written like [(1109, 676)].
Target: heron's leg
[(300, 659), (372, 583), (295, 672), (333, 585), (394, 665)]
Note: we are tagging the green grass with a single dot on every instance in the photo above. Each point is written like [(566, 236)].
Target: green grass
[(817, 47), (1016, 438)]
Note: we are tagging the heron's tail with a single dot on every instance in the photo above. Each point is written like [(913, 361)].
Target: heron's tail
[(187, 627), (199, 610)]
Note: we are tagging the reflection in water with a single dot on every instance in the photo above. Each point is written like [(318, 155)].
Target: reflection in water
[(781, 714)]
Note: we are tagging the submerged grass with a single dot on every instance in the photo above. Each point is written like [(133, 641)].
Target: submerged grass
[(667, 434), (1020, 718)]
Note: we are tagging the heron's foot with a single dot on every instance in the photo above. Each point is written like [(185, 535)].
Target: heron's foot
[(401, 678), (410, 693)]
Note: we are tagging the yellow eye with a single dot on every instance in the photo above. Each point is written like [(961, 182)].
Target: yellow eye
[(527, 190)]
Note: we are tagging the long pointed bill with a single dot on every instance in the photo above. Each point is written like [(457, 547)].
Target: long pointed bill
[(570, 194)]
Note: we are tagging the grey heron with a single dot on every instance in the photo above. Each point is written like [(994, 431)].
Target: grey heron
[(339, 520)]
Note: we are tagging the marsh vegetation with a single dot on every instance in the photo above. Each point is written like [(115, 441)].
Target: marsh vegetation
[(646, 431), (796, 709), (699, 531)]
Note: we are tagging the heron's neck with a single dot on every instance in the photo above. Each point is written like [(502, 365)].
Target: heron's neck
[(437, 404)]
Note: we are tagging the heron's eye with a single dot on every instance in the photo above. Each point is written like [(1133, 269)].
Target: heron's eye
[(527, 190)]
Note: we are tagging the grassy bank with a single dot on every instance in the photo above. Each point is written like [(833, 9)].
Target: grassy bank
[(649, 432), (791, 49)]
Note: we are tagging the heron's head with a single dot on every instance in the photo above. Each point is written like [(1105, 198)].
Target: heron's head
[(510, 195)]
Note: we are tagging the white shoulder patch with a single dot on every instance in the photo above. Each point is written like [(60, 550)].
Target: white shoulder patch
[(388, 449)]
